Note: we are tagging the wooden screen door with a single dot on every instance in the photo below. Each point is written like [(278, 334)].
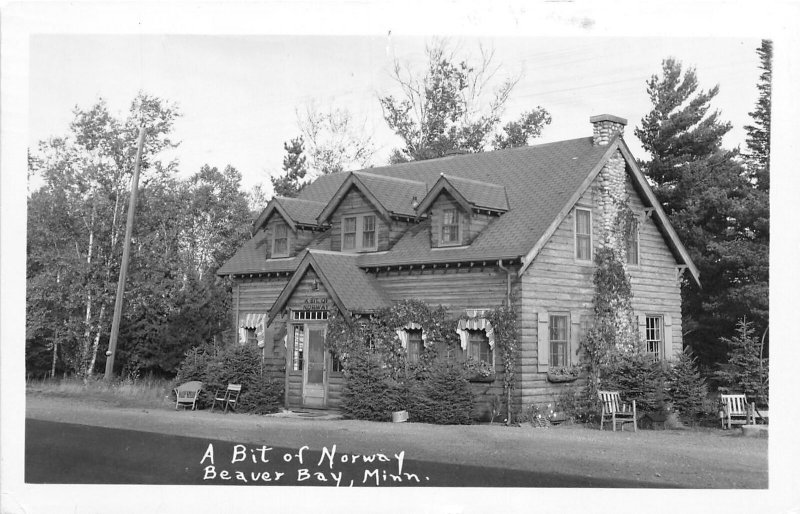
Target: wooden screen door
[(314, 376)]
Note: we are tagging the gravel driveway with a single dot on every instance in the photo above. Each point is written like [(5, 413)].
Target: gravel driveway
[(689, 458)]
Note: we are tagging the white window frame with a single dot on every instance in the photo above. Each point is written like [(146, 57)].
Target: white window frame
[(408, 344), (359, 233), (577, 235), (446, 227), (566, 340), (275, 253), (635, 261), (650, 340), (469, 353)]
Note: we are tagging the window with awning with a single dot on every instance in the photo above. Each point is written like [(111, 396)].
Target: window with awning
[(252, 322)]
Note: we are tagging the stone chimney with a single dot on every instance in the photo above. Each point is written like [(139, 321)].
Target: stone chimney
[(605, 127)]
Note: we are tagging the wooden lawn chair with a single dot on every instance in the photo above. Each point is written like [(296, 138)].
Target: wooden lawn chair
[(227, 397), (612, 407), (736, 409), (187, 394)]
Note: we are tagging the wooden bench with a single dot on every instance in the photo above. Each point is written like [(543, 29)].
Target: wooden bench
[(612, 407), (186, 394), (736, 409)]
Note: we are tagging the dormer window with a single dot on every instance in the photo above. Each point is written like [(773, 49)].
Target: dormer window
[(368, 234), (280, 241), (358, 233), (450, 227), (349, 233)]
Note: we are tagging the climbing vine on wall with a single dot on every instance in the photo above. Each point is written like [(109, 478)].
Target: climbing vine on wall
[(506, 340), (614, 332)]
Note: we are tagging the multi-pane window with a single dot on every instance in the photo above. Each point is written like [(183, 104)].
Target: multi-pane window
[(583, 234), (414, 345), (359, 233), (349, 233), (479, 348), (280, 241), (368, 233), (250, 336), (299, 344), (633, 245), (336, 364), (558, 339), (450, 226), (654, 335)]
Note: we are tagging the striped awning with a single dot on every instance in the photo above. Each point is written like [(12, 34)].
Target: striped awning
[(474, 324), (252, 320)]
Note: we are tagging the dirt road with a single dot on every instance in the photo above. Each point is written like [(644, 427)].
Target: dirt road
[(689, 459)]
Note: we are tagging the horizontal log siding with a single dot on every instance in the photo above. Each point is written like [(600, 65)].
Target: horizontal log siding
[(655, 284), (458, 289), (257, 295), (557, 282), (356, 204), (335, 389), (295, 389), (455, 288)]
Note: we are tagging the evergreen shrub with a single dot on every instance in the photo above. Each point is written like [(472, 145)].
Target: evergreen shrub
[(441, 395), (686, 389), (232, 364)]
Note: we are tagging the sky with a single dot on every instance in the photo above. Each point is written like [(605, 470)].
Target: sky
[(239, 95)]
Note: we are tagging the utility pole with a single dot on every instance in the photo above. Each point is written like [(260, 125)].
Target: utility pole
[(123, 270)]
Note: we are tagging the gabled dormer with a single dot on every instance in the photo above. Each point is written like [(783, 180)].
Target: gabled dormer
[(290, 225), (369, 213), (459, 209)]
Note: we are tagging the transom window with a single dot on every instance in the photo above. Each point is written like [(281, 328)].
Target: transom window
[(280, 241), (654, 335), (415, 345), (309, 315), (359, 233), (559, 338), (299, 343), (479, 348), (450, 226), (583, 234), (633, 245)]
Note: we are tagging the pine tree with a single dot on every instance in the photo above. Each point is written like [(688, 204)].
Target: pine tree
[(294, 164), (712, 204), (758, 134), (746, 371), (687, 388)]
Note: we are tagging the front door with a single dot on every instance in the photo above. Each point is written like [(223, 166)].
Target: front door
[(314, 377)]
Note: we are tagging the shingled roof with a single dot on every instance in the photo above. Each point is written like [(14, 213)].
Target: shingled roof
[(293, 210), (540, 184), (389, 194), (471, 194), (351, 288)]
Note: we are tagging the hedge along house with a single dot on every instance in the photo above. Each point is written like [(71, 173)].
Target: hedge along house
[(469, 232)]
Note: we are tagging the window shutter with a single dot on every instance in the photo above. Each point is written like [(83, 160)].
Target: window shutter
[(667, 336), (574, 338), (642, 325), (543, 359)]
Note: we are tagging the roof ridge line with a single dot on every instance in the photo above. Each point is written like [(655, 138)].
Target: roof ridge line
[(388, 176), (448, 177)]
